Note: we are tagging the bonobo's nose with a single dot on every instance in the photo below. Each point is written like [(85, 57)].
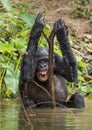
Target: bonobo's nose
[(43, 66)]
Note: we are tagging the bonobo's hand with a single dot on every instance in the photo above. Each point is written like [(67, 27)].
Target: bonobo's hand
[(38, 26), (61, 30), (39, 20)]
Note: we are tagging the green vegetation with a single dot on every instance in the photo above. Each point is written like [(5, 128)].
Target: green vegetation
[(13, 42), (81, 9), (15, 23), (84, 80)]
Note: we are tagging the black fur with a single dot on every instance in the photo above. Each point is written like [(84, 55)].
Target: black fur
[(34, 91)]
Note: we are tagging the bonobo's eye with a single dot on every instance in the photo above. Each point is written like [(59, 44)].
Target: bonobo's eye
[(43, 61), (46, 59)]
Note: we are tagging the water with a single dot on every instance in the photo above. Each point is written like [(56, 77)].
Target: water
[(45, 119)]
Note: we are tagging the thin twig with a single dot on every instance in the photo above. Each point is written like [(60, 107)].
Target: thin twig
[(25, 112), (42, 88), (46, 102)]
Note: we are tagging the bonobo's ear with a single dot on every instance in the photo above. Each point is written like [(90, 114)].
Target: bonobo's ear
[(40, 20)]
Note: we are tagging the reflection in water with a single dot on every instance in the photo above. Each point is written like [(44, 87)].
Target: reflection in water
[(45, 119), (8, 115)]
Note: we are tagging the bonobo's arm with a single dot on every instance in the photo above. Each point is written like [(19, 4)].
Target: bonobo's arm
[(68, 67), (28, 64)]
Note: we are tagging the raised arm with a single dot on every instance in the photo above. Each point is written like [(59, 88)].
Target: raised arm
[(28, 64), (68, 62)]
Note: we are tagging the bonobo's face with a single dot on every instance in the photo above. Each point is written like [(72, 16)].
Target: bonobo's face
[(42, 64), (42, 70)]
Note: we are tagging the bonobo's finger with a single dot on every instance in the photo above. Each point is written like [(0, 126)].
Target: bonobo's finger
[(39, 15), (62, 23), (59, 25), (40, 19)]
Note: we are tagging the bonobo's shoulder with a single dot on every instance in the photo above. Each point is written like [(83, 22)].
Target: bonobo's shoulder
[(58, 77), (59, 82)]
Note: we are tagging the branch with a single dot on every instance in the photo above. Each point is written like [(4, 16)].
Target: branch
[(50, 41), (51, 77)]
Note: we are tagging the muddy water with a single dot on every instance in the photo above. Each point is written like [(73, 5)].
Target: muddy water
[(45, 119)]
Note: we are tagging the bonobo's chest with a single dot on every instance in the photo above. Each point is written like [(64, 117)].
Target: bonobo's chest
[(37, 92), (40, 91)]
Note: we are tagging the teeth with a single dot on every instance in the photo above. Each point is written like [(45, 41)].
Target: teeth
[(43, 72)]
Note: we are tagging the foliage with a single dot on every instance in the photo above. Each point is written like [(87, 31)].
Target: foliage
[(13, 42), (15, 23), (84, 83), (81, 10)]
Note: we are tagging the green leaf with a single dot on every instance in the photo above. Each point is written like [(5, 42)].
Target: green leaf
[(5, 47), (20, 42), (81, 64), (1, 22), (7, 4), (90, 96), (79, 58), (80, 78), (27, 18), (11, 80)]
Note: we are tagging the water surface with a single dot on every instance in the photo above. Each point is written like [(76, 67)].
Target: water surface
[(11, 118)]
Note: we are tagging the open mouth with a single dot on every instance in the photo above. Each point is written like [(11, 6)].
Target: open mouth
[(42, 75)]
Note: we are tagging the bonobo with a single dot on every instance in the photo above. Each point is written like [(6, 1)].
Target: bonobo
[(33, 83)]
